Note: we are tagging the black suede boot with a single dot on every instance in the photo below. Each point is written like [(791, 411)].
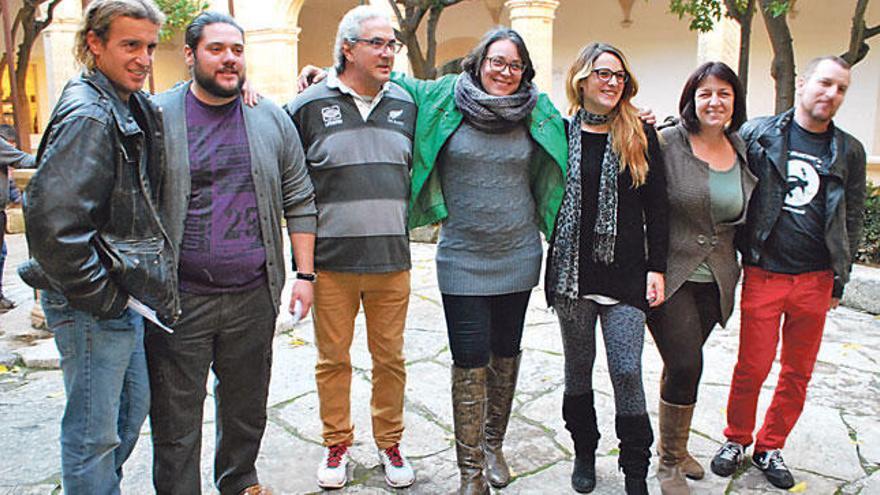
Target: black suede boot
[(579, 414), (636, 437)]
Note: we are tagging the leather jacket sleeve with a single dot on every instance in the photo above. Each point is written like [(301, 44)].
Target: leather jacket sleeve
[(67, 201), (855, 204)]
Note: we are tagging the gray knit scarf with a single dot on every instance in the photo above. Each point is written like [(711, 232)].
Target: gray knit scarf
[(567, 242), (490, 113)]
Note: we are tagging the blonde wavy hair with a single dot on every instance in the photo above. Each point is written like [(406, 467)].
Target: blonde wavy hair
[(627, 134), (98, 17)]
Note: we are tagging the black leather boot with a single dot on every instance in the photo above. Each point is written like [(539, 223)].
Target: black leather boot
[(579, 414), (636, 437)]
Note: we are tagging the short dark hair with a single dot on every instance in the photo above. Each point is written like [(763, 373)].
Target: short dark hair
[(686, 104), (474, 60), (195, 28), (7, 132), (812, 64)]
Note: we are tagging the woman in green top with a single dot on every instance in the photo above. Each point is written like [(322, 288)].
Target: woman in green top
[(708, 185), (489, 163)]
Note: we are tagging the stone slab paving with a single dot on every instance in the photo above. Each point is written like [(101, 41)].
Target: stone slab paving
[(834, 449)]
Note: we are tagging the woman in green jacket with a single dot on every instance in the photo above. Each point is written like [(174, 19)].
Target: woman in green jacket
[(489, 163)]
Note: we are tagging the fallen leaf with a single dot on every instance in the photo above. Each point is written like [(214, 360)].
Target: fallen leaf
[(799, 488), (3, 369), (297, 342), (854, 347)]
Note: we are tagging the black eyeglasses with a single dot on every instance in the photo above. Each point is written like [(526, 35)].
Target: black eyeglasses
[(605, 75), (380, 44), (500, 63)]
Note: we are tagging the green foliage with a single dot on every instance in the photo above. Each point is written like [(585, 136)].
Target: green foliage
[(869, 249), (178, 14), (703, 14)]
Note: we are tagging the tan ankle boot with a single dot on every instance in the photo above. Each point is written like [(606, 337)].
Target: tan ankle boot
[(675, 423), (469, 418), (501, 385), (690, 467)]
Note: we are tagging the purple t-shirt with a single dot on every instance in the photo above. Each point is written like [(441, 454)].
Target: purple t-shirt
[(222, 248)]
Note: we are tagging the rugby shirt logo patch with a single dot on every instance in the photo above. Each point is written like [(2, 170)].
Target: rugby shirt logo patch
[(332, 115)]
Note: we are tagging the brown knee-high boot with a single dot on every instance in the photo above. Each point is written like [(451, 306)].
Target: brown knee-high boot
[(675, 423), (501, 385), (469, 417)]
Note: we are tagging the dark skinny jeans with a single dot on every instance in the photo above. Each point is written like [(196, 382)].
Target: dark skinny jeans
[(479, 326), (680, 328)]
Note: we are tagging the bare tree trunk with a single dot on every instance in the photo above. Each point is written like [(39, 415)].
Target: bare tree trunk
[(423, 64), (860, 32), (744, 19), (782, 68)]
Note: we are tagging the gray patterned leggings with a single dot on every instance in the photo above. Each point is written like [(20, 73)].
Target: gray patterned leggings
[(623, 328)]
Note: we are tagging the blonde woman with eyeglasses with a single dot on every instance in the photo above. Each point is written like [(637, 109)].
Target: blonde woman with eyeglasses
[(598, 267)]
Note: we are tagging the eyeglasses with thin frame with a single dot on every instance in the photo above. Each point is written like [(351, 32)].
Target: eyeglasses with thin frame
[(605, 75), (498, 64), (380, 44)]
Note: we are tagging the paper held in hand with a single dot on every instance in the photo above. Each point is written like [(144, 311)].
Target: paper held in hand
[(147, 312)]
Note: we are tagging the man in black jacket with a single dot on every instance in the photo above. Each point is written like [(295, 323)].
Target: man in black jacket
[(94, 233), (803, 227)]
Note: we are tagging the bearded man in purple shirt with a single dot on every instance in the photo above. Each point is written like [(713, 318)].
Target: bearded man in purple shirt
[(233, 172)]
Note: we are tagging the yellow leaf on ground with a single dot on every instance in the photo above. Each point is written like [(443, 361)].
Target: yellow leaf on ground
[(3, 369), (854, 347), (799, 488), (297, 342)]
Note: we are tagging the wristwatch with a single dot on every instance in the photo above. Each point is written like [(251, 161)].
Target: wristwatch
[(310, 277)]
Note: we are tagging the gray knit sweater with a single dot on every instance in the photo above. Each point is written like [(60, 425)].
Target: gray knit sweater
[(490, 243)]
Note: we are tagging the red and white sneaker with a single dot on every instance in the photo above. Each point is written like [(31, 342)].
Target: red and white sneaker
[(333, 470), (398, 472)]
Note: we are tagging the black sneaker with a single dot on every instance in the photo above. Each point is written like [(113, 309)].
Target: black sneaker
[(774, 469), (727, 459)]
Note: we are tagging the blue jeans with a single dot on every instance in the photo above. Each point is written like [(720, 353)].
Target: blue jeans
[(108, 393)]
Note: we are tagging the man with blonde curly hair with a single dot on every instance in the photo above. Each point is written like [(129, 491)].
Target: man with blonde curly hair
[(96, 240)]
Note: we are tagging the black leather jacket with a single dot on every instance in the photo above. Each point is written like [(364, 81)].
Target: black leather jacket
[(92, 226), (767, 141)]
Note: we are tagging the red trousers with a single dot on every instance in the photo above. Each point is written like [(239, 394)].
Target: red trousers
[(803, 300)]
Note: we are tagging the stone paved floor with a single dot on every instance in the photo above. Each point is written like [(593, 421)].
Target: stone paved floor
[(835, 447)]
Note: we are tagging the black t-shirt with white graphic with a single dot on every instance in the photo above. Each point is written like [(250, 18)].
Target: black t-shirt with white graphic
[(797, 242)]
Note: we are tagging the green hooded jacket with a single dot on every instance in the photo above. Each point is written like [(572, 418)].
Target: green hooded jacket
[(438, 118)]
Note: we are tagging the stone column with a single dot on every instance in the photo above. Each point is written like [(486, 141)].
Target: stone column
[(721, 44), (533, 20), (272, 61), (58, 42)]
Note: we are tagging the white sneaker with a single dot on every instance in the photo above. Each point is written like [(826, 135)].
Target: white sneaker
[(398, 472), (333, 470)]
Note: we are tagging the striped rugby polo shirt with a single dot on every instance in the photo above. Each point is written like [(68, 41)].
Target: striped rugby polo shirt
[(361, 172)]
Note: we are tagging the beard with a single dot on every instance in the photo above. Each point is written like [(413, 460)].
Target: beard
[(208, 83)]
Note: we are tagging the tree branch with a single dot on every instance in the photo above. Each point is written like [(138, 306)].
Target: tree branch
[(433, 20), (50, 15)]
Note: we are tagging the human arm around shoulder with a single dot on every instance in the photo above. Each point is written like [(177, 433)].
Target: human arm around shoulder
[(417, 88), (67, 203)]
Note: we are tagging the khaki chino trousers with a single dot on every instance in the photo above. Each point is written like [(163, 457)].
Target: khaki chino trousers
[(385, 299)]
